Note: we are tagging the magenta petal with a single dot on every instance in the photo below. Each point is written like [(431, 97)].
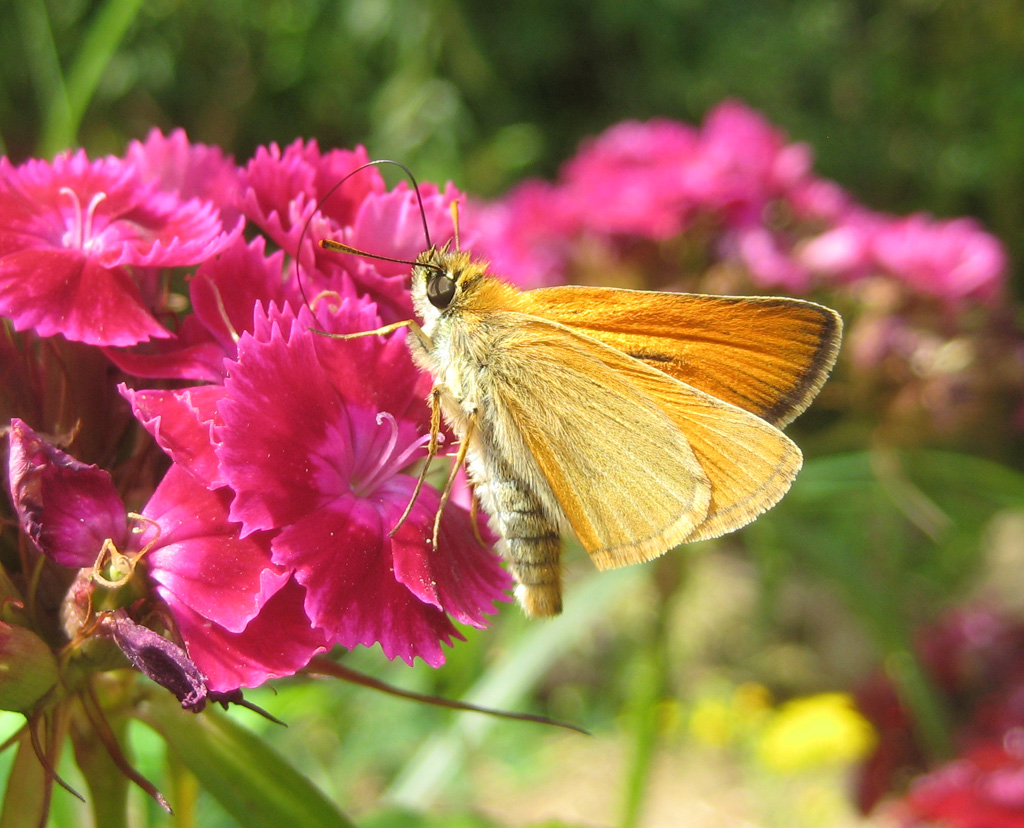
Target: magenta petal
[(280, 187), (391, 223), (225, 289), (190, 170), (175, 234), (182, 423), (281, 409), (67, 507), (397, 386), (277, 642), (199, 558), (55, 291), (341, 555), (192, 355), (461, 577)]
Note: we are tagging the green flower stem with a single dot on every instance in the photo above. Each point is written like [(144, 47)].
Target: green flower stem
[(108, 787), (931, 719), (647, 690), (26, 801)]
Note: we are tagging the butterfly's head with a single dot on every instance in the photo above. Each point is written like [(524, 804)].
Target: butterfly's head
[(443, 282)]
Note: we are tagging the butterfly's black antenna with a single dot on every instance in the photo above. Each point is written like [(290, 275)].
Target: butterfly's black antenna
[(333, 245)]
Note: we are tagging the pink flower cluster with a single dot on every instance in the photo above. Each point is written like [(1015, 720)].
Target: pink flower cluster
[(752, 196), (165, 283), (975, 659)]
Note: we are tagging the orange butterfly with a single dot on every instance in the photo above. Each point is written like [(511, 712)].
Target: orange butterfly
[(637, 420)]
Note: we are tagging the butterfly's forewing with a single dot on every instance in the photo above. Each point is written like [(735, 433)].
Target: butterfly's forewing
[(622, 471), (767, 355)]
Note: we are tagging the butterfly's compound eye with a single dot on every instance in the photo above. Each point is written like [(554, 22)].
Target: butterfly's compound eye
[(440, 290)]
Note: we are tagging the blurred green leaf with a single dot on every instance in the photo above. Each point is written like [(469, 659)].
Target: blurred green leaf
[(249, 779), (894, 531), (399, 818), (899, 535), (508, 682)]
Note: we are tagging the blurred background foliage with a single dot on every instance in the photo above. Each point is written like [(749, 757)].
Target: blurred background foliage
[(909, 104)]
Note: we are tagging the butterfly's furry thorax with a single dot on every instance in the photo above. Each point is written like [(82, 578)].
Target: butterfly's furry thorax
[(461, 345)]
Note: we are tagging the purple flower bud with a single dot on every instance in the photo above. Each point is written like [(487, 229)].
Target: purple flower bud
[(160, 659)]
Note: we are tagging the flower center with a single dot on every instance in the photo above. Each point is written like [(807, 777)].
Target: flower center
[(79, 231), (386, 457)]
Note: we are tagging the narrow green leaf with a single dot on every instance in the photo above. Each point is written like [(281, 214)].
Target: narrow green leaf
[(108, 787), (245, 775), (28, 791), (68, 103), (41, 58)]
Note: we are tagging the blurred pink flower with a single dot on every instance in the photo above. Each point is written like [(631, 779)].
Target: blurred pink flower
[(740, 164), (736, 190), (527, 236), (953, 260), (982, 789), (630, 180), (770, 265)]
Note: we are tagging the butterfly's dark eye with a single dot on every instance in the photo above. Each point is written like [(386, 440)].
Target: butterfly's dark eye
[(441, 291)]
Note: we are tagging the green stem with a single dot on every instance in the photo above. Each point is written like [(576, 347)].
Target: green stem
[(648, 688), (931, 719), (184, 792), (108, 787)]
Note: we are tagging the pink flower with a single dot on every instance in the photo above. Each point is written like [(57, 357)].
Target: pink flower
[(740, 163), (526, 236), (631, 179), (189, 170), (983, 789), (221, 588), (281, 189), (224, 290), (81, 242), (314, 438), (182, 422), (844, 251), (389, 224), (770, 265), (302, 192), (953, 260)]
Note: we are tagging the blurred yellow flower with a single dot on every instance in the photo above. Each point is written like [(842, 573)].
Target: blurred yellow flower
[(719, 720), (817, 730)]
